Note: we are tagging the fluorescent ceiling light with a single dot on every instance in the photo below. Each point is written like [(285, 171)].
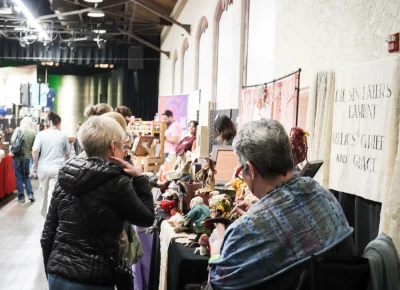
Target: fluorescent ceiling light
[(31, 19), (20, 28), (5, 9), (95, 13), (100, 31), (93, 1)]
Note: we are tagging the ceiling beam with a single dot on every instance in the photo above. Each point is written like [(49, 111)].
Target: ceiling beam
[(80, 15), (186, 27), (4, 34), (134, 36), (109, 12), (44, 17)]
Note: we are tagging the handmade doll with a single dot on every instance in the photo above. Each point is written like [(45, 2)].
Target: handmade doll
[(206, 175), (238, 184), (298, 143), (171, 201), (183, 165), (195, 217), (220, 205)]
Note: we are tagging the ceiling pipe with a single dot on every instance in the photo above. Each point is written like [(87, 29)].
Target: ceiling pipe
[(131, 35), (186, 27)]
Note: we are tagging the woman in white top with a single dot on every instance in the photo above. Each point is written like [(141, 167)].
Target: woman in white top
[(53, 148)]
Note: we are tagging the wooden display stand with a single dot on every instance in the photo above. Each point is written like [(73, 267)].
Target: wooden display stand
[(150, 163)]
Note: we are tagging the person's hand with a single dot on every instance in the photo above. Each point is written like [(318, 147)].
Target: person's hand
[(128, 168), (241, 208), (216, 239)]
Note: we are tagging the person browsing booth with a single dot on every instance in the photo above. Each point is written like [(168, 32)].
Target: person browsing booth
[(172, 133)]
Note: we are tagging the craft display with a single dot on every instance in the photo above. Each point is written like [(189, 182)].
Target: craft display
[(277, 99), (206, 176)]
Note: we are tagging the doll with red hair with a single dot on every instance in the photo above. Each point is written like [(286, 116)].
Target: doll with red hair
[(298, 143)]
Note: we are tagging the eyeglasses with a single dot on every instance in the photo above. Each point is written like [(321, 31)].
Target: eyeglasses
[(238, 171)]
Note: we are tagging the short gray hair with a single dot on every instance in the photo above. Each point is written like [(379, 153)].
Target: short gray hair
[(96, 134), (26, 125), (265, 144)]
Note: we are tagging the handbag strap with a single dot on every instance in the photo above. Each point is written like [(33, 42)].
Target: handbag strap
[(104, 249)]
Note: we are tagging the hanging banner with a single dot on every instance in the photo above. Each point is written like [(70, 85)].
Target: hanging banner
[(11, 79), (361, 107), (177, 104)]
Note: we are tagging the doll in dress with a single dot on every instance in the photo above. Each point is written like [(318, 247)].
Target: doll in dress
[(206, 176), (183, 165)]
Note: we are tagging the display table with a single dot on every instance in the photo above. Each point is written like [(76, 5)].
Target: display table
[(185, 267), (167, 235), (7, 176)]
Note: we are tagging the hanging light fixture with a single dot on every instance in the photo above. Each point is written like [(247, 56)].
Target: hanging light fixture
[(93, 1), (95, 13), (5, 9), (99, 31)]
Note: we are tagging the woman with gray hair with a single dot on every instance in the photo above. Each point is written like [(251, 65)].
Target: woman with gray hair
[(93, 198), (294, 219), (21, 159)]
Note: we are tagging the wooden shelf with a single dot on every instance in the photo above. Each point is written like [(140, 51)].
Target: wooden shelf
[(150, 163)]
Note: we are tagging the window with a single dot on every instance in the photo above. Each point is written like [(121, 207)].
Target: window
[(184, 64), (224, 42), (260, 41), (175, 78), (202, 45)]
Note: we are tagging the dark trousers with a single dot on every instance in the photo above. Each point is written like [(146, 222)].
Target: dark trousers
[(21, 169)]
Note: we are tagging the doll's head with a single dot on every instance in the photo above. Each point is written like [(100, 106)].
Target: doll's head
[(209, 164), (196, 200)]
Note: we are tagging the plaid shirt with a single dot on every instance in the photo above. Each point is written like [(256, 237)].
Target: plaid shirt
[(295, 220)]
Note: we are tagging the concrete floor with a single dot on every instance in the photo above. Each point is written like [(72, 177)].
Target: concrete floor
[(21, 261)]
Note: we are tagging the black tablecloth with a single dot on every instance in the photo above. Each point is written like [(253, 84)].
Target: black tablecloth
[(154, 275), (185, 267)]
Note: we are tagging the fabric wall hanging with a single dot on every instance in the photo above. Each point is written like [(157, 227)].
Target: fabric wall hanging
[(319, 122)]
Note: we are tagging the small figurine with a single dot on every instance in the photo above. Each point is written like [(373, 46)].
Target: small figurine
[(204, 245), (206, 175)]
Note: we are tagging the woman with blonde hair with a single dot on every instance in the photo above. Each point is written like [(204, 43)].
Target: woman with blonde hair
[(93, 199), (21, 159)]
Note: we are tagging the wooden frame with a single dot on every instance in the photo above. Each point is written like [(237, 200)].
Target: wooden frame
[(311, 168), (225, 163)]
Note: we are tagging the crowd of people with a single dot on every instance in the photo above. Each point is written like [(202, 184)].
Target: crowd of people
[(90, 200)]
